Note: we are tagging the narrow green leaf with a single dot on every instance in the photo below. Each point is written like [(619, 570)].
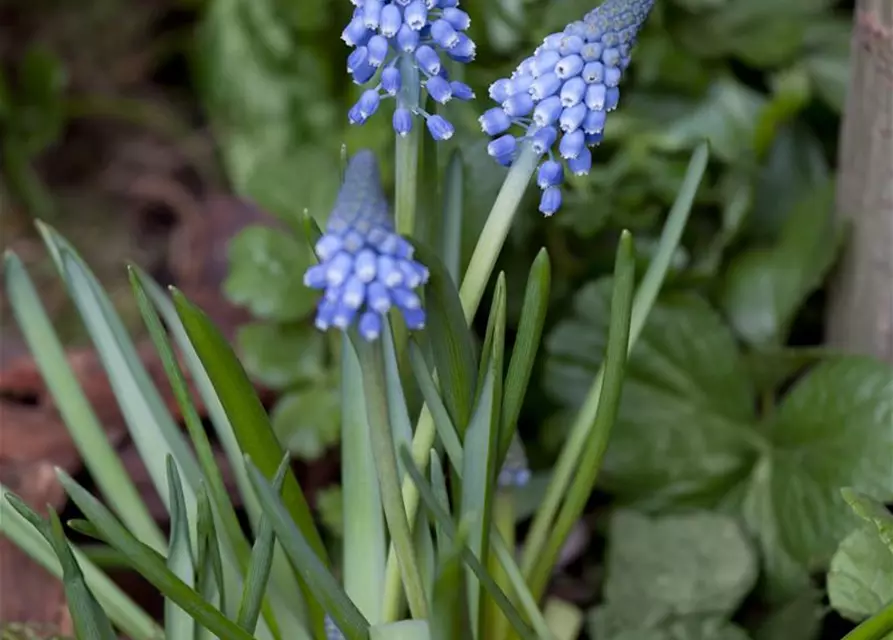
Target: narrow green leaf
[(527, 342), (442, 518), (371, 359), (480, 447), (261, 563), (446, 430), (398, 412), (150, 564), (447, 591), (153, 430), (211, 474), (210, 580), (250, 423), (178, 625), (99, 456), (286, 597), (364, 530), (209, 396), (403, 630), (17, 526), (453, 191), (450, 340), (90, 621), (643, 302), (591, 458), (304, 558), (441, 494)]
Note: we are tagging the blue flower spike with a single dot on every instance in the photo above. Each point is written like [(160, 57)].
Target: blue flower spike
[(515, 472), (396, 35), (365, 268), (563, 93)]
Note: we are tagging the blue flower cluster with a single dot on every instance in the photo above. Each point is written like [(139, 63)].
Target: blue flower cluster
[(331, 629), (515, 472), (563, 92), (385, 35), (364, 267)]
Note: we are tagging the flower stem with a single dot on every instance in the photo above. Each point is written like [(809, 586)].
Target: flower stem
[(372, 363), (876, 627), (482, 262), (407, 151), (496, 230)]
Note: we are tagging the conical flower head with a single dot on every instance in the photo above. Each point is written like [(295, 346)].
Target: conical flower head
[(561, 95), (392, 36), (365, 268)]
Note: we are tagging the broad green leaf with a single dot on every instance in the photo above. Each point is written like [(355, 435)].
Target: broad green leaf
[(684, 374), (446, 596), (364, 543), (687, 434), (178, 625), (307, 421), (281, 355), (267, 98), (608, 623), (726, 117), (871, 511), (450, 340), (527, 342), (765, 287), (860, 581), (695, 563), (99, 457), (799, 619), (150, 564), (39, 113), (266, 274), (793, 169), (123, 612), (310, 565)]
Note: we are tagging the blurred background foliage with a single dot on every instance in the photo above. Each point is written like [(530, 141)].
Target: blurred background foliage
[(763, 80)]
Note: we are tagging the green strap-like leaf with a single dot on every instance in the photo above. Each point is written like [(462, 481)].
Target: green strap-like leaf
[(480, 449), (250, 424), (178, 625), (527, 342), (312, 569), (98, 455), (450, 340)]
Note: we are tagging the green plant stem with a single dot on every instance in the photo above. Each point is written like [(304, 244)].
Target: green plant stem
[(407, 152), (581, 430), (483, 259), (875, 628), (372, 363), (496, 229)]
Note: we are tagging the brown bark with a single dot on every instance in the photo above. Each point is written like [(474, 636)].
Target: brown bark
[(860, 315)]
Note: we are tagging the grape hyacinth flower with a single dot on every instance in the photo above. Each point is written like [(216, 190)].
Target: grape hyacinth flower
[(561, 94), (515, 472), (331, 629), (365, 268), (405, 39)]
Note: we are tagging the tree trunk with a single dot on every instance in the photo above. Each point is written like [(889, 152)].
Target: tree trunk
[(860, 315)]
